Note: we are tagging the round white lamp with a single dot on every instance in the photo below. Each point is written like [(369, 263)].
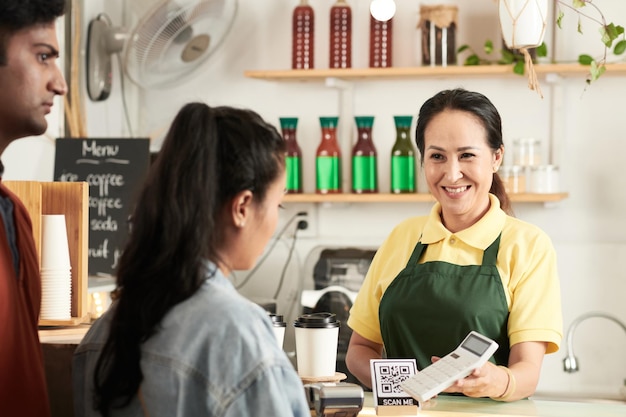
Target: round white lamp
[(383, 10)]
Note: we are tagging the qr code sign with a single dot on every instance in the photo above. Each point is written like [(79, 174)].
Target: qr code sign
[(390, 373)]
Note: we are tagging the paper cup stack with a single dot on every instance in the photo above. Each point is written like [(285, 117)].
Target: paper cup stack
[(56, 277)]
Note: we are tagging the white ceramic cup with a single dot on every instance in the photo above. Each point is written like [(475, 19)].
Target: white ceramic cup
[(55, 252), (279, 327), (317, 335)]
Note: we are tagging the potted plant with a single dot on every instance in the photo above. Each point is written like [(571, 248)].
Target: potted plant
[(523, 24)]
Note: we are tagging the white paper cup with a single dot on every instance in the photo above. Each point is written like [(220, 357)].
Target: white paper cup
[(56, 295), (55, 252), (279, 327), (317, 335)]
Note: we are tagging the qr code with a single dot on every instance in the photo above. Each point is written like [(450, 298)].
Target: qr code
[(390, 373)]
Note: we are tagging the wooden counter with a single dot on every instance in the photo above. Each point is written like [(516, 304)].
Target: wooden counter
[(449, 406)]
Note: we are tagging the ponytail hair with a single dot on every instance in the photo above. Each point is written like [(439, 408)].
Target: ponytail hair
[(208, 156)]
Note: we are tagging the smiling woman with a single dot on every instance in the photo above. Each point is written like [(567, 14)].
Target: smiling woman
[(468, 266), (461, 150), (459, 167)]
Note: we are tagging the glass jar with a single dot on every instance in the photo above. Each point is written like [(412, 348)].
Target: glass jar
[(380, 43), (403, 157), (544, 179), (302, 37), (527, 152), (293, 156), (340, 35), (328, 159), (438, 24), (364, 171), (514, 178)]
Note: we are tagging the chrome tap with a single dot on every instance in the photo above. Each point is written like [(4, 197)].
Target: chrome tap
[(570, 363)]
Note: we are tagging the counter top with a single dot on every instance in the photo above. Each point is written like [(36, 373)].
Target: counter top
[(63, 335), (444, 405), (449, 406)]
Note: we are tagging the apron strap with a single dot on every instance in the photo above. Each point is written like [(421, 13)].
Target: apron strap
[(417, 253), (491, 253)]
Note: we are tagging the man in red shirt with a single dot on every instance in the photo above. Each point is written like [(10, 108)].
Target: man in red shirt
[(29, 80)]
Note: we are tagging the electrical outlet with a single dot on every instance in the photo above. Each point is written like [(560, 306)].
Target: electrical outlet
[(310, 231)]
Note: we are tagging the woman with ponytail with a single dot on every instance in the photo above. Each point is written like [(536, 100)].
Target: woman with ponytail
[(178, 339)]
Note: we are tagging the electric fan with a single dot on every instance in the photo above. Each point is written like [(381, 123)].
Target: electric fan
[(170, 41)]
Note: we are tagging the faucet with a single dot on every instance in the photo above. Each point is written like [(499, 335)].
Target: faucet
[(570, 363)]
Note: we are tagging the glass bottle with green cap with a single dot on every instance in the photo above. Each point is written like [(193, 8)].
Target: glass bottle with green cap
[(403, 158), (328, 159), (293, 156), (364, 158)]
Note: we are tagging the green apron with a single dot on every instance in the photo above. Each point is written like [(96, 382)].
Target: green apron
[(429, 308)]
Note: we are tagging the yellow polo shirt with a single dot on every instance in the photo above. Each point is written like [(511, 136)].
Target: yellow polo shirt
[(526, 264)]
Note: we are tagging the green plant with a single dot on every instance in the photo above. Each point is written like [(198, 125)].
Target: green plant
[(507, 56), (609, 33)]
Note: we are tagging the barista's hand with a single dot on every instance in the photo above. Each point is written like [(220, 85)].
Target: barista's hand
[(483, 382)]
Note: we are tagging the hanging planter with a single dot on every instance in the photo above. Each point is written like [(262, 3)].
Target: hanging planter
[(523, 24)]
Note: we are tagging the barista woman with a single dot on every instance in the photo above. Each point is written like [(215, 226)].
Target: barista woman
[(178, 339), (467, 266)]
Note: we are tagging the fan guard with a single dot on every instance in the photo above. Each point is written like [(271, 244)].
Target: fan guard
[(169, 42), (174, 40)]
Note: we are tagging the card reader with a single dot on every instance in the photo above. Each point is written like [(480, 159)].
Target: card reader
[(334, 399)]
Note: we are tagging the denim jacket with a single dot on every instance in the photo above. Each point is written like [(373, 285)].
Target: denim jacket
[(215, 354)]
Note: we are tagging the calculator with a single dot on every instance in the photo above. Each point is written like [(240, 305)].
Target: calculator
[(471, 354)]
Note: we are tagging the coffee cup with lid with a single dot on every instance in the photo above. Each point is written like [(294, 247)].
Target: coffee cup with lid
[(317, 335)]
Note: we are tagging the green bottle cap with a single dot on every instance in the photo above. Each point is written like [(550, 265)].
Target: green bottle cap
[(403, 121), (329, 122), (364, 121), (288, 122)]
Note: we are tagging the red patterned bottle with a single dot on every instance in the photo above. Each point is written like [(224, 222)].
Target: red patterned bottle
[(340, 35), (380, 43), (328, 159), (364, 156), (302, 47), (293, 157)]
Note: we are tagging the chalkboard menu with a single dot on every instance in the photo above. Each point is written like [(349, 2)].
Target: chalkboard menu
[(115, 170)]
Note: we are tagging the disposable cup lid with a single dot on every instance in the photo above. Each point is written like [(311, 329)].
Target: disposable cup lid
[(317, 321), (277, 320)]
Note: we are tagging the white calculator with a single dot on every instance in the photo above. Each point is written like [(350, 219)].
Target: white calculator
[(471, 354)]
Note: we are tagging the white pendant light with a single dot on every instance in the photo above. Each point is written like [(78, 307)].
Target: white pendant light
[(383, 10)]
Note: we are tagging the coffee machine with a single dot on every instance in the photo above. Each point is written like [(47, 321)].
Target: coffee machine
[(333, 277)]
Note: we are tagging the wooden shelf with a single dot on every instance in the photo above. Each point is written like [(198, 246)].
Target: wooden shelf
[(356, 74), (74, 321), (407, 73), (72, 200), (406, 198)]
